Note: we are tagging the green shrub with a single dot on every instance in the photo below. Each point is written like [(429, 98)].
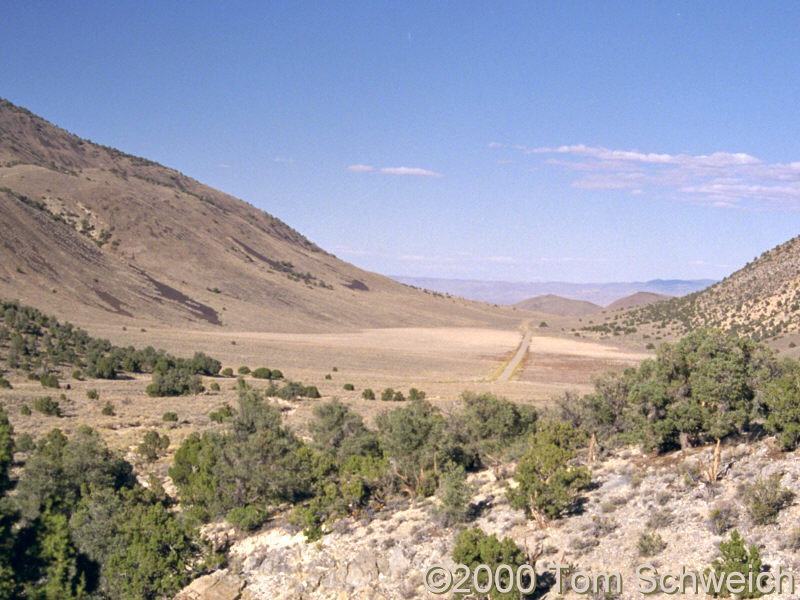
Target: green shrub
[(214, 387), (262, 373), (5, 384), (47, 406), (543, 324), (223, 413), (722, 518), (782, 401), (92, 394), (108, 409), (276, 374), (170, 417), (368, 394), (175, 382), (49, 380), (474, 547), (766, 498), (736, 558), (548, 484), (227, 372), (244, 370), (24, 443), (311, 391), (247, 518), (349, 387), (328, 376), (415, 394), (454, 494), (649, 543), (25, 410), (152, 445), (77, 374)]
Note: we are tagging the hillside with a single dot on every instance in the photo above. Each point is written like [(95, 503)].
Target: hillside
[(557, 305), (637, 299), (761, 300), (94, 235)]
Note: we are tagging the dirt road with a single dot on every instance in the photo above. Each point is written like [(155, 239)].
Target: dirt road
[(523, 348)]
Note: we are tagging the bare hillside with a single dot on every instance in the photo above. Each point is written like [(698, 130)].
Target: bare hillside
[(557, 305), (98, 236)]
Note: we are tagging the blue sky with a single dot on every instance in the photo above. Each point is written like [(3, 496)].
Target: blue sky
[(574, 141)]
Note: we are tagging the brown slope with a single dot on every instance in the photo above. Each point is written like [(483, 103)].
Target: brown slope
[(92, 234), (761, 300), (557, 305), (637, 299)]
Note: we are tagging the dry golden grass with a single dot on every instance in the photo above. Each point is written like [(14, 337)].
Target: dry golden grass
[(441, 361)]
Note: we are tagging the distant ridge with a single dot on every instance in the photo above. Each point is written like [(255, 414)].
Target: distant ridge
[(509, 292), (556, 305), (637, 299)]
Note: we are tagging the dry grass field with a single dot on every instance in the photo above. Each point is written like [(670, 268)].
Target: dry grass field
[(443, 362)]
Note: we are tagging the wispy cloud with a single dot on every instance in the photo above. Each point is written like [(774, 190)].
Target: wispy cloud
[(410, 171), (284, 159), (360, 168), (720, 179), (403, 171)]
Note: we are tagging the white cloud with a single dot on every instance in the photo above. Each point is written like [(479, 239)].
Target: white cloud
[(285, 160), (719, 179), (410, 171), (360, 168)]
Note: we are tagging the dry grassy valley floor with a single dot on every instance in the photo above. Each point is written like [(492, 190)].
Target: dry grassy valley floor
[(441, 361)]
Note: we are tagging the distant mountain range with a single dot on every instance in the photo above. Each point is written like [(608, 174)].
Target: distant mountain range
[(512, 292)]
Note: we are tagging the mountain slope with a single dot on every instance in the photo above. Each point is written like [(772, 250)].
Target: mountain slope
[(637, 299), (92, 234), (557, 305), (761, 300)]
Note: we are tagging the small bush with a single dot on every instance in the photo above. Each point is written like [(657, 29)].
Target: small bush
[(49, 380), (247, 518), (543, 324), (649, 543), (368, 394), (349, 387), (92, 394), (335, 369), (214, 387), (660, 519), (152, 445), (276, 374), (474, 547), (415, 394), (766, 498), (454, 494), (47, 406), (244, 370), (25, 410), (5, 384), (722, 518), (77, 374), (175, 382), (262, 373), (328, 376), (737, 558), (170, 417), (227, 372), (312, 392), (24, 443), (108, 409), (223, 413)]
